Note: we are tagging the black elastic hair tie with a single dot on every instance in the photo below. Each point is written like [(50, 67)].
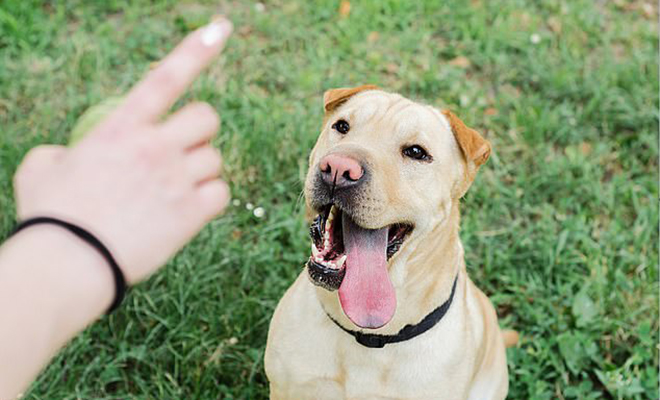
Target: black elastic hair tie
[(120, 281)]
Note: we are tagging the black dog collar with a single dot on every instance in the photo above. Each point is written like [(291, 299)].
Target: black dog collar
[(376, 341)]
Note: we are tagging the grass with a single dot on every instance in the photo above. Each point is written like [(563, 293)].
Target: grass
[(560, 228)]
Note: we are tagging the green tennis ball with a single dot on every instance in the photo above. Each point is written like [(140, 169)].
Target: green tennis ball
[(92, 116)]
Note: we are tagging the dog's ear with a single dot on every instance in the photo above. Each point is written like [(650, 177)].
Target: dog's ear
[(474, 147), (333, 98)]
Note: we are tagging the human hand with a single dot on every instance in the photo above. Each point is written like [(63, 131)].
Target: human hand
[(143, 186)]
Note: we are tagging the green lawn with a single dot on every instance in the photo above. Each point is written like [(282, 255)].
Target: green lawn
[(560, 228)]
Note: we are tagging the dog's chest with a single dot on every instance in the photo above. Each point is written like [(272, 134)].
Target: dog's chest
[(317, 360), (411, 370), (344, 369)]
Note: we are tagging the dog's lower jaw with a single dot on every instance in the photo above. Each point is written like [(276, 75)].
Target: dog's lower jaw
[(422, 273)]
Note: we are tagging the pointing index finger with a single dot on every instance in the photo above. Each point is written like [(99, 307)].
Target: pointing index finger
[(162, 86)]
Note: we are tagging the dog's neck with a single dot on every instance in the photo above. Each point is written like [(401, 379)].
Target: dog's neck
[(422, 274)]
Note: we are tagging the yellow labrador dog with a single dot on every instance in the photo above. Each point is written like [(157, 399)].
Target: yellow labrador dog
[(385, 308)]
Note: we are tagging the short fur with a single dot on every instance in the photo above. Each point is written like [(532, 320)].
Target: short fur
[(463, 357)]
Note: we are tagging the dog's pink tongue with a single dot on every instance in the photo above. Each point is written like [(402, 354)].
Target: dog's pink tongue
[(366, 294)]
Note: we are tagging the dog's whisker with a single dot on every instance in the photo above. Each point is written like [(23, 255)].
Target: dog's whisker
[(300, 200)]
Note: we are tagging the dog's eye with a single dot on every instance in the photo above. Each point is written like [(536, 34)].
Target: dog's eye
[(341, 126), (417, 153)]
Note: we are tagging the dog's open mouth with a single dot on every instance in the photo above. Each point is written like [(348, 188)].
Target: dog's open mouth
[(353, 260)]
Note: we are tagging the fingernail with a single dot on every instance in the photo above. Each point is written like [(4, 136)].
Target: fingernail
[(216, 31)]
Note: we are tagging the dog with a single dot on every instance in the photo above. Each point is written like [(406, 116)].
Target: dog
[(385, 308)]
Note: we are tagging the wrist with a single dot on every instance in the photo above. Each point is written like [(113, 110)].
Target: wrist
[(52, 285), (60, 275)]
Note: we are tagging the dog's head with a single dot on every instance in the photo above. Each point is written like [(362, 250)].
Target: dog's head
[(384, 171)]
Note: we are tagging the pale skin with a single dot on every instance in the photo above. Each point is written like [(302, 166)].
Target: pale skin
[(142, 184)]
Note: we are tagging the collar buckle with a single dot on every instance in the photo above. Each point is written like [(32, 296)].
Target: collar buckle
[(371, 341)]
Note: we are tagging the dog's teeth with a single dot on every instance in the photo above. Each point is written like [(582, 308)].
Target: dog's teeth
[(315, 251), (341, 261)]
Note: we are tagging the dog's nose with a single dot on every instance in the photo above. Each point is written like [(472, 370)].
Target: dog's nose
[(340, 170)]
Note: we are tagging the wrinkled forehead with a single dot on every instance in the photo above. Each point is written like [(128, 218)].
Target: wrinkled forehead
[(402, 116)]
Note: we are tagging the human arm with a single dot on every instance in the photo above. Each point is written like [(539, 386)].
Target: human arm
[(143, 186)]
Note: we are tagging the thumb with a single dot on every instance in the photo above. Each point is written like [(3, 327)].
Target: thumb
[(42, 156), (35, 161)]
